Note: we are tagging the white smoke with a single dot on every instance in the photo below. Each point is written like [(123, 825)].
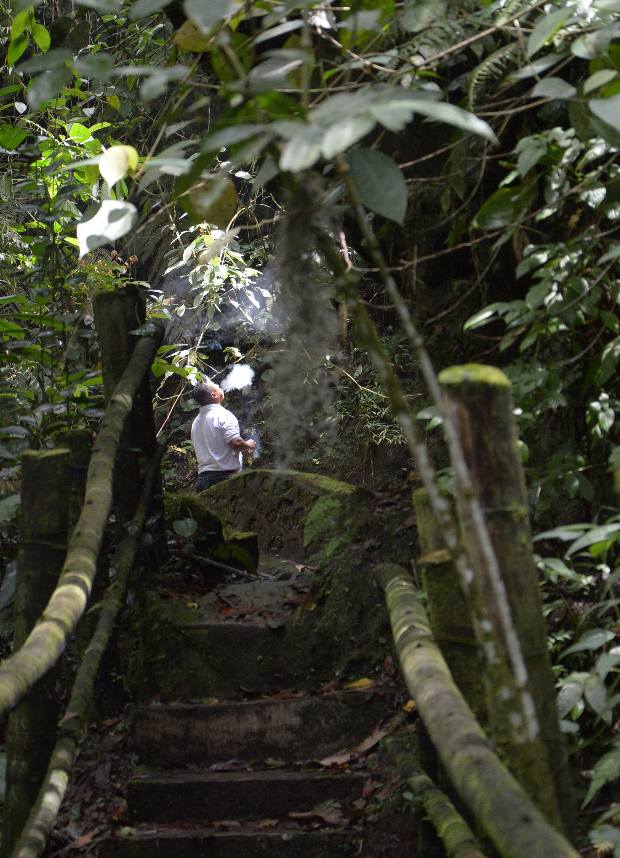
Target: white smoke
[(240, 376)]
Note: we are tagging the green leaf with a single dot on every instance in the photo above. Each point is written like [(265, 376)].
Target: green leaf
[(16, 49), (441, 111), (507, 206), (11, 137), (596, 696), (22, 22), (41, 36), (142, 8), (598, 79), (607, 661), (114, 219), (46, 62), (47, 86), (104, 7), (185, 527), (379, 183), (483, 317), (570, 694), (607, 770), (594, 536), (116, 162), (9, 506), (303, 149), (419, 14), (609, 360), (226, 137), (553, 87), (594, 639), (345, 134), (208, 15), (607, 109), (609, 255), (97, 66), (545, 29)]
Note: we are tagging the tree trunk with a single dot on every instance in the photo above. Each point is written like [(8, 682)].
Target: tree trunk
[(43, 542), (480, 401)]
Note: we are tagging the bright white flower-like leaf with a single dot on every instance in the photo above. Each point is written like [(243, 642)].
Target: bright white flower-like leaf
[(116, 162), (113, 220)]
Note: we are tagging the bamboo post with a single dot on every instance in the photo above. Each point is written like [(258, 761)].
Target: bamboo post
[(495, 799), (479, 400), (447, 608), (117, 314), (43, 542)]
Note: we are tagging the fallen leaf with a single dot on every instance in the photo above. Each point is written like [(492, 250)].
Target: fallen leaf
[(368, 788), (409, 706), (82, 841), (388, 665), (375, 737), (334, 685), (328, 811), (273, 763), (360, 684), (193, 605)]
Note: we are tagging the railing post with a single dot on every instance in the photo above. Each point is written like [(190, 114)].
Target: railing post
[(43, 541), (448, 611), (117, 314), (479, 399), (79, 443)]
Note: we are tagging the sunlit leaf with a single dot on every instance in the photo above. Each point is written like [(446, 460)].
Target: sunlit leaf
[(379, 183), (41, 37), (116, 162), (17, 47), (11, 137), (598, 79), (113, 220), (607, 109)]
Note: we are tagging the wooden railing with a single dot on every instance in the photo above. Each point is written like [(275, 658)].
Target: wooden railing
[(27, 823), (446, 656)]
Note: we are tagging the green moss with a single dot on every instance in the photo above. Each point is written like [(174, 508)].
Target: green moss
[(473, 373), (321, 519)]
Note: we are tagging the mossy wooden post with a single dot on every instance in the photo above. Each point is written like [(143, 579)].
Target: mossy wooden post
[(43, 542), (79, 442), (117, 314), (447, 608), (479, 398)]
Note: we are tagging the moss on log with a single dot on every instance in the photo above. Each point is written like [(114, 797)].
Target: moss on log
[(47, 640), (456, 835), (495, 799), (44, 812)]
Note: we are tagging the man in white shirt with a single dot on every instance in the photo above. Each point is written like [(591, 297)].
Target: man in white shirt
[(216, 438)]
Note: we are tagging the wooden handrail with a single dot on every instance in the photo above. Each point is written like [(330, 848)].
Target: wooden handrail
[(43, 815), (494, 798), (47, 641)]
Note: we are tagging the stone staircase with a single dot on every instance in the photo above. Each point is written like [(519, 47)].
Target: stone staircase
[(248, 771)]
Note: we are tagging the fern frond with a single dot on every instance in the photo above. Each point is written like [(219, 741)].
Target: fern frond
[(512, 8), (491, 68)]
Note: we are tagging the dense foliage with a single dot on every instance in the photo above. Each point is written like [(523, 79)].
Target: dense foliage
[(479, 143)]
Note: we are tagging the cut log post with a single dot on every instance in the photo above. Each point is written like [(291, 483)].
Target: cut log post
[(117, 314), (448, 610), (43, 542), (479, 399), (495, 799), (79, 443)]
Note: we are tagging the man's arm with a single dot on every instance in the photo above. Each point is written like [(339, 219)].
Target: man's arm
[(240, 446)]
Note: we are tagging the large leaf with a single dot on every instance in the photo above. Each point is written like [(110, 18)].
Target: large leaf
[(142, 8), (594, 639), (17, 47), (102, 6), (553, 87), (208, 14), (607, 770), (507, 206), (379, 183), (47, 86), (47, 62), (97, 66), (441, 111), (545, 28), (607, 109), (114, 219)]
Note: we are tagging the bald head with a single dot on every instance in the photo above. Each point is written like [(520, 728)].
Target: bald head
[(208, 393)]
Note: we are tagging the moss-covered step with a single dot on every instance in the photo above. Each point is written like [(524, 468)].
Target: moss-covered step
[(207, 796), (294, 729), (208, 843)]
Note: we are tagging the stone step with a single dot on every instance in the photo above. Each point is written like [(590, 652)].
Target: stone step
[(293, 730), (206, 796), (209, 843)]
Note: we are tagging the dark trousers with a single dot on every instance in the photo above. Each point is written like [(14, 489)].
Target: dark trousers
[(211, 478)]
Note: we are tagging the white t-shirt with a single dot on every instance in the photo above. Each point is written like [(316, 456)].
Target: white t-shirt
[(212, 429)]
